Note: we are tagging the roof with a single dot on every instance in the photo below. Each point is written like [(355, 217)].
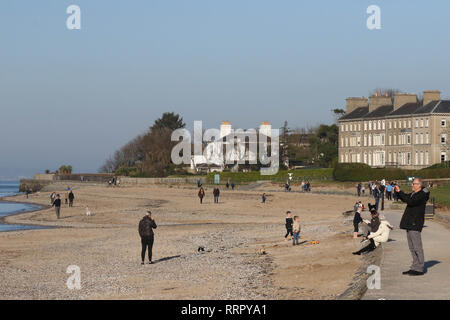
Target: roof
[(380, 112), (406, 109), (356, 114), (442, 107), (427, 108)]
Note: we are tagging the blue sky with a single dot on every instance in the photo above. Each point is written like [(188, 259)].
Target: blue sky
[(75, 96)]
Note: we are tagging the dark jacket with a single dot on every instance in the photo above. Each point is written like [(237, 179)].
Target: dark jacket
[(216, 192), (57, 203), (289, 222), (374, 224), (414, 216), (357, 218), (71, 196), (146, 226)]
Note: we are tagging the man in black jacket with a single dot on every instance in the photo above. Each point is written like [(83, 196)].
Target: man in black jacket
[(412, 221), (57, 205), (146, 226)]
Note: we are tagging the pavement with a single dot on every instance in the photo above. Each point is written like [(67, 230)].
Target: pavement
[(434, 284)]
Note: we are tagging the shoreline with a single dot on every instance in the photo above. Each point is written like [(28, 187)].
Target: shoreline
[(37, 207)]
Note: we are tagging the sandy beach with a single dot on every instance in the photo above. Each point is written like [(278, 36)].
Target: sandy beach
[(106, 246)]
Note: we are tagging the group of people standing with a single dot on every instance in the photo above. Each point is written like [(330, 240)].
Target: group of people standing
[(292, 228), (379, 190), (55, 201)]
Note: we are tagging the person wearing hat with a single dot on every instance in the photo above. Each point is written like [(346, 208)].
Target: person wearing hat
[(412, 221), (146, 226)]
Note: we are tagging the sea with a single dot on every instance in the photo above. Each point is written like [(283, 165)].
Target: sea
[(7, 189)]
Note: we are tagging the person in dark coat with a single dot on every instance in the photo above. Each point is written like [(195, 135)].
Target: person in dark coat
[(146, 226), (412, 221), (216, 193), (201, 194), (57, 205), (356, 221), (71, 197)]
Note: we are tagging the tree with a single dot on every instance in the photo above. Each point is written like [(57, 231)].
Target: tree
[(148, 154), (65, 169), (324, 144), (170, 121), (338, 112)]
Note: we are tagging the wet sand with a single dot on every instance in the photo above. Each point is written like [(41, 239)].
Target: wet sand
[(106, 246)]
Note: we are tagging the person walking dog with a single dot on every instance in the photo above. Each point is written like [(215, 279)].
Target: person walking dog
[(146, 226), (412, 221)]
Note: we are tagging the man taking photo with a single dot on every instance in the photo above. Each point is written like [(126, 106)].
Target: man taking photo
[(412, 221)]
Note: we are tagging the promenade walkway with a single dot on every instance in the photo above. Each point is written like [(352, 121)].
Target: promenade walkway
[(435, 284)]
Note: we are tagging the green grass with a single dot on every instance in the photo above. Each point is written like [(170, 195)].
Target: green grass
[(442, 195), (281, 176)]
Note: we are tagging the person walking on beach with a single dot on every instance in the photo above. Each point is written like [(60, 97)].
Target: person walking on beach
[(358, 189), (57, 205), (232, 185), (263, 198), (71, 197), (376, 195), (412, 221), (201, 194), (146, 226), (296, 230), (363, 190), (289, 223), (216, 193)]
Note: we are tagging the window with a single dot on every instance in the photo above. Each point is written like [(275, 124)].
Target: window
[(390, 124), (365, 157), (409, 139), (443, 123), (395, 124), (390, 157), (417, 139), (346, 127), (379, 124), (395, 157), (427, 158), (409, 123), (342, 158), (416, 158), (443, 157), (365, 125), (358, 158), (342, 127), (427, 122), (395, 139), (370, 140), (399, 124), (390, 140), (359, 126), (443, 138), (342, 142), (409, 157), (421, 123), (346, 142), (346, 157), (421, 138), (365, 140), (370, 125), (421, 157), (358, 141), (404, 123), (427, 138), (417, 123), (384, 125)]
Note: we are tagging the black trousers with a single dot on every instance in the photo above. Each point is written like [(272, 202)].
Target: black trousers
[(288, 232), (147, 242)]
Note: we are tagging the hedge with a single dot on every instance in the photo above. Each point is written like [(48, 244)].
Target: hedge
[(363, 172)]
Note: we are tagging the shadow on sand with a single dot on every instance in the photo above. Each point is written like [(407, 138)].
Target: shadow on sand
[(430, 264), (166, 259)]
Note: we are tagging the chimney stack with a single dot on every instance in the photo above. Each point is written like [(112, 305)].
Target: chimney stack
[(354, 103), (431, 95), (400, 99), (378, 101), (225, 129)]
